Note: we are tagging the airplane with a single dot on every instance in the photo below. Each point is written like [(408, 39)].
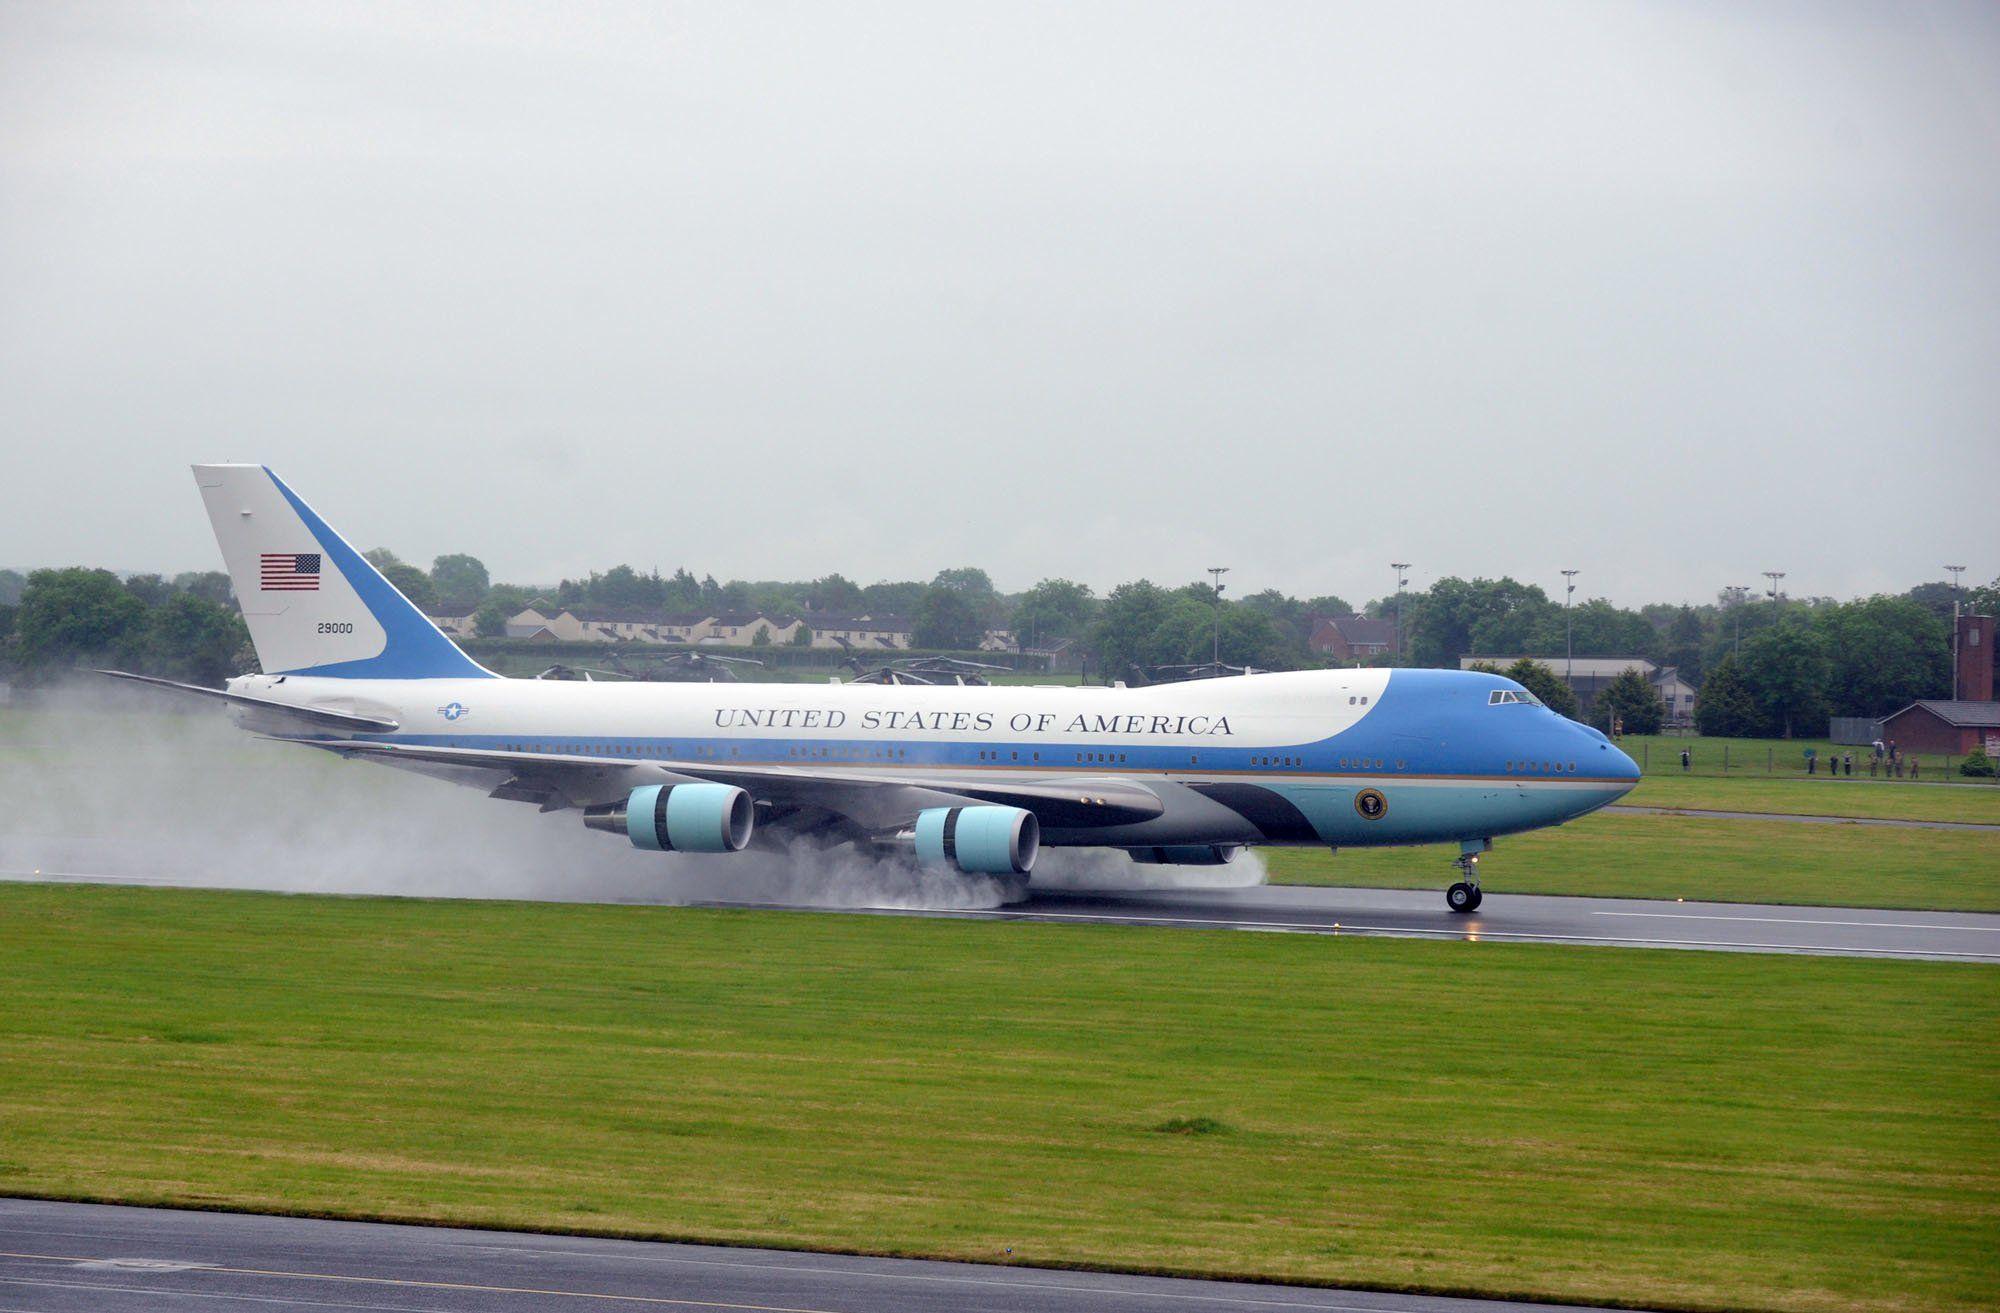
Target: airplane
[(975, 779)]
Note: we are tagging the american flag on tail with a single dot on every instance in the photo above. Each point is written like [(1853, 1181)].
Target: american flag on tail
[(290, 572)]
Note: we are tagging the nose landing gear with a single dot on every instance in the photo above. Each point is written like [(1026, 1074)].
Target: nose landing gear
[(1464, 896)]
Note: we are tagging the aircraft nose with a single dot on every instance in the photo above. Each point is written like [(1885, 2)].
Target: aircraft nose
[(1609, 761)]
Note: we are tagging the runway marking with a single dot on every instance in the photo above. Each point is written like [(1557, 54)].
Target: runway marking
[(1474, 932), (1245, 1300), (472, 1287), (1807, 920), (775, 1268), (207, 1295)]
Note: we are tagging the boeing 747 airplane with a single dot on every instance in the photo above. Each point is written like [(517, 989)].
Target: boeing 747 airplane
[(972, 778)]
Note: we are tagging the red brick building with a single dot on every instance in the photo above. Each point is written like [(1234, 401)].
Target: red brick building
[(1943, 726), (1352, 637), (1975, 658)]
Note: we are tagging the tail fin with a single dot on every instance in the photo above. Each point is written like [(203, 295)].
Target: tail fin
[(313, 604)]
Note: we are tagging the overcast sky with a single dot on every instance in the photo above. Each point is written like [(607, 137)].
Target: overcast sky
[(1669, 293)]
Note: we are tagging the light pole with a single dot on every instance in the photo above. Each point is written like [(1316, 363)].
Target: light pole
[(1737, 594), (1569, 652), (1402, 569), (1215, 650), (1956, 581), (1774, 576)]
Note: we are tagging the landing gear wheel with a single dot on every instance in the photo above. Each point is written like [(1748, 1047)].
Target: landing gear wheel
[(1462, 897), (1478, 897)]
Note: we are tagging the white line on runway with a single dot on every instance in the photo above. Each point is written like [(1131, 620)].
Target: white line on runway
[(1471, 932), (1806, 920)]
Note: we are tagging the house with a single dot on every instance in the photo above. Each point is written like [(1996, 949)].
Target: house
[(859, 631), (741, 628), (1676, 692), (1944, 726), (454, 619), (1352, 637), (999, 640)]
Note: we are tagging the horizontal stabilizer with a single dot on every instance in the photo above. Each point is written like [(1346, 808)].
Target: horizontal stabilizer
[(302, 717)]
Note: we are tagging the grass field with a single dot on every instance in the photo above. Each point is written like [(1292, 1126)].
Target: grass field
[(1696, 858), (1701, 1130), (1719, 1132), (1660, 754), (1900, 800)]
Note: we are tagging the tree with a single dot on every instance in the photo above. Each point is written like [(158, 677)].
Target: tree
[(1545, 684), (973, 584), (1630, 703), (150, 589), (72, 614), (1787, 671), (1053, 609), (762, 638), (490, 621), (407, 579), (460, 578), (1126, 624), (833, 594), (12, 584), (892, 598), (1442, 621), (802, 636), (948, 620), (1723, 707), (191, 638), (210, 585), (1884, 653), (1684, 639)]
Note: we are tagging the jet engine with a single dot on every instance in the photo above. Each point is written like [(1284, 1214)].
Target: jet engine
[(681, 818), (980, 840)]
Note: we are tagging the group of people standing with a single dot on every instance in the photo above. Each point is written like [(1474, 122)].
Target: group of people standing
[(1885, 759)]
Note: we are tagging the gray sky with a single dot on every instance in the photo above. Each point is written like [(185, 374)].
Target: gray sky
[(1670, 293)]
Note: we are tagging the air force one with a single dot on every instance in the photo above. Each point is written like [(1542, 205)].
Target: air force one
[(974, 779)]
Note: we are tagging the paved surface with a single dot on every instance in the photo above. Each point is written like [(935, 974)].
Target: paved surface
[(1525, 918), (1504, 918), (1623, 809), (89, 1257)]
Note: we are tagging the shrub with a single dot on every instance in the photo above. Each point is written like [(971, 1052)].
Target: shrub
[(1977, 764)]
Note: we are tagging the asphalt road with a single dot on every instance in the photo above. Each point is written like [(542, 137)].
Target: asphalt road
[(1525, 918), (1504, 918), (83, 1258)]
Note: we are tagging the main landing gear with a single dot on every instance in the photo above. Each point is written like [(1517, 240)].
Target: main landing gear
[(1464, 896)]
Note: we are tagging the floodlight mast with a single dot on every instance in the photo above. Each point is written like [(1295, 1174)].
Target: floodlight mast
[(1402, 569), (1738, 594), (1774, 576), (1569, 646), (1215, 648)]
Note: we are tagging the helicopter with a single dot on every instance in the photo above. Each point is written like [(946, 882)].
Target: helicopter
[(923, 670)]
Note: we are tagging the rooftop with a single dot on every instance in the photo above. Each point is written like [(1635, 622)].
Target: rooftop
[(1965, 715)]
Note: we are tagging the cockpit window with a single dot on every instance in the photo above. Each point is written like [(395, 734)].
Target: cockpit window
[(1502, 695)]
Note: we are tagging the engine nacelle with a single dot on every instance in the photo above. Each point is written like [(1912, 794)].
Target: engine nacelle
[(980, 840), (1186, 854), (681, 818)]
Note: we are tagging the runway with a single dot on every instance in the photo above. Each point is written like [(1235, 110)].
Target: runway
[(1504, 918), (1524, 918), (82, 1258)]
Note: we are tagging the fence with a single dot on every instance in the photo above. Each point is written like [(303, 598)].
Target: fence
[(1853, 729)]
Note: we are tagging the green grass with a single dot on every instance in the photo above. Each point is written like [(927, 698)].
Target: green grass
[(1702, 1130), (1695, 858), (1822, 797), (1660, 754)]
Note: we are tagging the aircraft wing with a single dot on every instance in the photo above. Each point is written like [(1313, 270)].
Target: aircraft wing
[(867, 801)]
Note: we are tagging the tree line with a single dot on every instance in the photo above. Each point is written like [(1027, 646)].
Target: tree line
[(1763, 667)]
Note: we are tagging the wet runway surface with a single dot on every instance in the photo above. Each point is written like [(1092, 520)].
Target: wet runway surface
[(1527, 918), (69, 1258)]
